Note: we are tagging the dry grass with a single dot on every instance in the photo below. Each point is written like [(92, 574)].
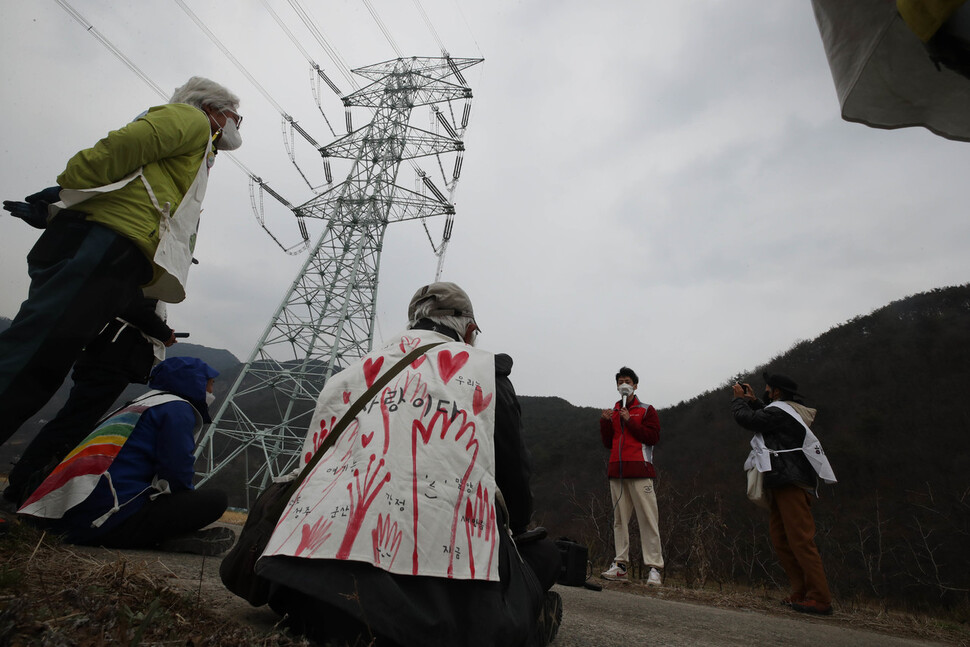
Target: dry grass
[(234, 517), (51, 594)]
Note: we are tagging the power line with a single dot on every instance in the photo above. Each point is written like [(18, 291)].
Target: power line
[(380, 25), (427, 21), (317, 72), (287, 31), (111, 48), (321, 39), (293, 125), (233, 59)]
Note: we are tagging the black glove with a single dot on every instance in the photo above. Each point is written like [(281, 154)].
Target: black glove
[(50, 195), (34, 215)]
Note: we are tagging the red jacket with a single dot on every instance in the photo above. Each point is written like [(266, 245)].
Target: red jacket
[(631, 442)]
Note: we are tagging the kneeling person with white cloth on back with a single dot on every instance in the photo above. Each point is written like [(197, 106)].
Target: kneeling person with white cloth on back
[(792, 460), (412, 527), (128, 484)]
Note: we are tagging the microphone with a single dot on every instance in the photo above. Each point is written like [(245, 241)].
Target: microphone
[(624, 401)]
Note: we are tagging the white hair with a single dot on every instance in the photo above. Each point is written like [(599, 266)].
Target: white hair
[(199, 91), (458, 324)]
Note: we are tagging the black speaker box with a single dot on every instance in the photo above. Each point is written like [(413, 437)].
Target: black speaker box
[(574, 559)]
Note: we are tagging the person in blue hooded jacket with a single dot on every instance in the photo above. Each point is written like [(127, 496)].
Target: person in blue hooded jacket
[(128, 484)]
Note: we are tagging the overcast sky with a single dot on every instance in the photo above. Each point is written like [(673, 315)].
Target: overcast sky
[(662, 185)]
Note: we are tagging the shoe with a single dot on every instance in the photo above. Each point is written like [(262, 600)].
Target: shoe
[(808, 605), (616, 572), (549, 618), (794, 597), (653, 579), (211, 541)]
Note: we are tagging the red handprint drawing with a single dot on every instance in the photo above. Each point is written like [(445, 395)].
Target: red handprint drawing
[(387, 540), (466, 429), (480, 523), (313, 536), (415, 389), (361, 497), (320, 436), (346, 438)]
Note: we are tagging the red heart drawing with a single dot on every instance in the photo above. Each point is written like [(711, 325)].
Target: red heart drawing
[(365, 440), (346, 397), (371, 369), (418, 362), (480, 403), (448, 365), (408, 342)]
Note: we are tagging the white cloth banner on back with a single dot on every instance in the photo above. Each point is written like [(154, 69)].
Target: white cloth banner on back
[(409, 486)]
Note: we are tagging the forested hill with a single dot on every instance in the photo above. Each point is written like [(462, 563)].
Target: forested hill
[(892, 391)]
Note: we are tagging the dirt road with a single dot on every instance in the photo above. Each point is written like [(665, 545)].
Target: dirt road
[(607, 618)]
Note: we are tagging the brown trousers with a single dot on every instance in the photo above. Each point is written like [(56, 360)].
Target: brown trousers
[(792, 529)]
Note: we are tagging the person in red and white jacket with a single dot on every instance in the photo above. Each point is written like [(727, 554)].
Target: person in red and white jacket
[(630, 430)]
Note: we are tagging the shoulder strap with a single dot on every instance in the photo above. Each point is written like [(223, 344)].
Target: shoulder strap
[(790, 410), (352, 412)]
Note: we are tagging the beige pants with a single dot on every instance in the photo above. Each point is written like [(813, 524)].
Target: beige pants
[(628, 495)]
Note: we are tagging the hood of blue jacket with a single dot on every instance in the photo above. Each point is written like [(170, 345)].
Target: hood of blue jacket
[(186, 377)]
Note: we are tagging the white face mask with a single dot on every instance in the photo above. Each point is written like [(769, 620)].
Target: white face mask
[(625, 389), (209, 398), (230, 139)]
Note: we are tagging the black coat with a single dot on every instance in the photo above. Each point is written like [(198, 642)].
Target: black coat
[(780, 431)]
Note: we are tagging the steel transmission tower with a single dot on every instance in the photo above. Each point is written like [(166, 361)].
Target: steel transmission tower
[(326, 319)]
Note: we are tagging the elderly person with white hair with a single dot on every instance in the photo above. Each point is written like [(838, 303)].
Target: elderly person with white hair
[(123, 217)]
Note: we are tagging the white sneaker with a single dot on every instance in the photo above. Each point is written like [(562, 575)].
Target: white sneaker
[(616, 572), (653, 579)]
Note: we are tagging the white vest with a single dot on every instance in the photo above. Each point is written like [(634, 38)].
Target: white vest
[(811, 448), (176, 232), (409, 487)]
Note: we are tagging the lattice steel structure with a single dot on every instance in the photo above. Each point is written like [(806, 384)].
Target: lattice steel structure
[(326, 318)]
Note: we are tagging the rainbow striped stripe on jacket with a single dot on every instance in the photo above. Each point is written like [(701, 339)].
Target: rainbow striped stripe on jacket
[(75, 477)]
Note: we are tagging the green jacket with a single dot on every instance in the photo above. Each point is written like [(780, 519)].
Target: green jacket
[(169, 141)]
